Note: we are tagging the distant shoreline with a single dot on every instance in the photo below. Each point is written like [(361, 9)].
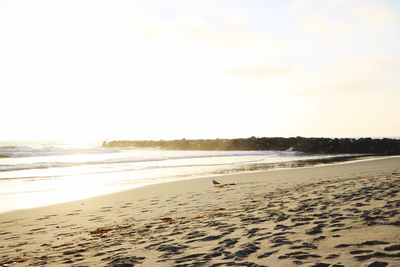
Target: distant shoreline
[(260, 167), (383, 146)]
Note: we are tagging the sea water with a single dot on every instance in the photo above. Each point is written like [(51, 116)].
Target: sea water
[(34, 174)]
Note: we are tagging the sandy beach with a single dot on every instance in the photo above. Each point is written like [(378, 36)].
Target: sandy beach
[(338, 215)]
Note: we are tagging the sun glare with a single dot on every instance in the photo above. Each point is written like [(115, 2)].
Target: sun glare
[(139, 70)]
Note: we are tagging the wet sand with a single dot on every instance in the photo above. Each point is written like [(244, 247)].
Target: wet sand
[(339, 215)]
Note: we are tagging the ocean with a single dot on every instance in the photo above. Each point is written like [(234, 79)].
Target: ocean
[(34, 174)]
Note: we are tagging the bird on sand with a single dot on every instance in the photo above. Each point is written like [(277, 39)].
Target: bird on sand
[(215, 182), (218, 184)]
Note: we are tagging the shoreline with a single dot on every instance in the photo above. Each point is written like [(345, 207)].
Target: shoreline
[(250, 169), (294, 217)]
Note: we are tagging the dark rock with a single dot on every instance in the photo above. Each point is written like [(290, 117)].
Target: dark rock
[(309, 145)]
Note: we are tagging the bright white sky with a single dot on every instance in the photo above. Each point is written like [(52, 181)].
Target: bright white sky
[(96, 69)]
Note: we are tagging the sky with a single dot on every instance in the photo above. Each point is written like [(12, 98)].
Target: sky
[(152, 69)]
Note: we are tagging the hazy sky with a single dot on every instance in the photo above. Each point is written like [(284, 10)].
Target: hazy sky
[(95, 69)]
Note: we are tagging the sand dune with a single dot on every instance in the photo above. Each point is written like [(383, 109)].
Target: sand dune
[(340, 215)]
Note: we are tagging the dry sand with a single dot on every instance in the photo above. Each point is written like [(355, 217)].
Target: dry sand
[(339, 215)]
